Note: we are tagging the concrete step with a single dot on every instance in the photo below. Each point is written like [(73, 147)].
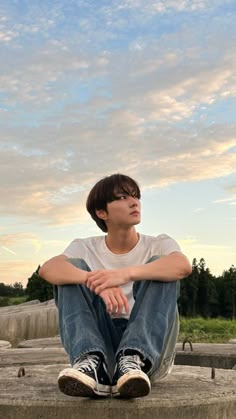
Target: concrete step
[(203, 354), (41, 343), (4, 344), (207, 355), (32, 356)]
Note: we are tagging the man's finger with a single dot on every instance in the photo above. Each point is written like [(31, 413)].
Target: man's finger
[(115, 304), (99, 288), (108, 303), (120, 304)]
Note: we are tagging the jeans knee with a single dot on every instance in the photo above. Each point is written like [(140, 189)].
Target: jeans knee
[(79, 263)]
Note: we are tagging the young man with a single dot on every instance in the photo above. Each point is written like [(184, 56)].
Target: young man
[(117, 298)]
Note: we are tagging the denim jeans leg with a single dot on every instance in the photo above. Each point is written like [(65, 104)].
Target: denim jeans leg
[(151, 322), (164, 366), (84, 323)]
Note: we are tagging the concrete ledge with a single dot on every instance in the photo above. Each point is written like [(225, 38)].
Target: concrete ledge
[(188, 392), (209, 348), (206, 360), (220, 355), (41, 343), (203, 354), (32, 356), (4, 344), (29, 322)]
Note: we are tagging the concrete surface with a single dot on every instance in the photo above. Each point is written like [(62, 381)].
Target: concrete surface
[(187, 393), (41, 343), (32, 356), (28, 321), (4, 344), (28, 390), (203, 354), (28, 377), (220, 355), (19, 308)]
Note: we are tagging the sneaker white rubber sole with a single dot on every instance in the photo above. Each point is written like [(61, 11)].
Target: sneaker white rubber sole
[(74, 383), (132, 384)]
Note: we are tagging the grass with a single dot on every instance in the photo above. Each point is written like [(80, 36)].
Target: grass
[(18, 300), (8, 301), (196, 329), (207, 330)]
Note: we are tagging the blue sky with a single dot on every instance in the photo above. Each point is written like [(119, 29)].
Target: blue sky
[(145, 88)]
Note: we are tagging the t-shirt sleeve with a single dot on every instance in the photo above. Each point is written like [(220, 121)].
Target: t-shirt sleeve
[(74, 249), (165, 245)]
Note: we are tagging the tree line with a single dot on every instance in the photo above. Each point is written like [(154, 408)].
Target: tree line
[(12, 290), (201, 293)]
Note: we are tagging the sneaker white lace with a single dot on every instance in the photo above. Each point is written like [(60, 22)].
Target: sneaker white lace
[(129, 380), (87, 378), (88, 364), (130, 363)]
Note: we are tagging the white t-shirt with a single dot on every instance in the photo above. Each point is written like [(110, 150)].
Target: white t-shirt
[(96, 254)]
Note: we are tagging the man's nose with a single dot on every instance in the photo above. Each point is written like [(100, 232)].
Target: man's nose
[(133, 201)]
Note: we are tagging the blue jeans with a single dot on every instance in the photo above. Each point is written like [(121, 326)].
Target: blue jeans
[(152, 328)]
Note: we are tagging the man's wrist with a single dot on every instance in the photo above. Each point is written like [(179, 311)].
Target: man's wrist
[(85, 277), (130, 274)]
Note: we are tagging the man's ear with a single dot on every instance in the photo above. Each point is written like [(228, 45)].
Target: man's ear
[(102, 214)]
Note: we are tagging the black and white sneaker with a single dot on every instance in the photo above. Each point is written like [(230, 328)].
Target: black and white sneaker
[(129, 380), (87, 378)]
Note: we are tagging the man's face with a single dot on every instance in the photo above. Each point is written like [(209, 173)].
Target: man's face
[(124, 211)]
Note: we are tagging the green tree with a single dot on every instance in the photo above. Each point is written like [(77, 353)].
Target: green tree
[(38, 289), (207, 294), (6, 290), (189, 292), (228, 293), (18, 289)]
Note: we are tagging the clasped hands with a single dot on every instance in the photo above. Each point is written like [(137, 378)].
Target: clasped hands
[(106, 284)]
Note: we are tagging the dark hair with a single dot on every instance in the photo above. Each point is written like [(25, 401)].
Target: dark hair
[(105, 191)]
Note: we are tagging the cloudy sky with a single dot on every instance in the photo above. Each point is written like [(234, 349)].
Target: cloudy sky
[(141, 87)]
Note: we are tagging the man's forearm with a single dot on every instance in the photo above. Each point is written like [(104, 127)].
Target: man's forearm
[(59, 271), (167, 268)]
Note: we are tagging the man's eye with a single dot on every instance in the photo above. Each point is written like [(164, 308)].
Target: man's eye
[(121, 197)]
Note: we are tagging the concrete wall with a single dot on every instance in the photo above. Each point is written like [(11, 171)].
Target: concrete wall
[(28, 321)]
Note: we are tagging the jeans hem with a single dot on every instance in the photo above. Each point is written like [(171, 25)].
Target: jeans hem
[(163, 370), (141, 351), (89, 350), (166, 360)]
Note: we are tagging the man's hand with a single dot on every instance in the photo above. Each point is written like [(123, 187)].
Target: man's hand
[(102, 279), (115, 300)]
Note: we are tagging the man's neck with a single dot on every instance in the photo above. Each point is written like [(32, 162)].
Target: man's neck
[(122, 241)]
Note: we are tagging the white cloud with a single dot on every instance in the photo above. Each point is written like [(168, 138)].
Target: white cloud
[(19, 271), (223, 200), (8, 242), (7, 36), (8, 250), (54, 186), (91, 89), (74, 113)]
